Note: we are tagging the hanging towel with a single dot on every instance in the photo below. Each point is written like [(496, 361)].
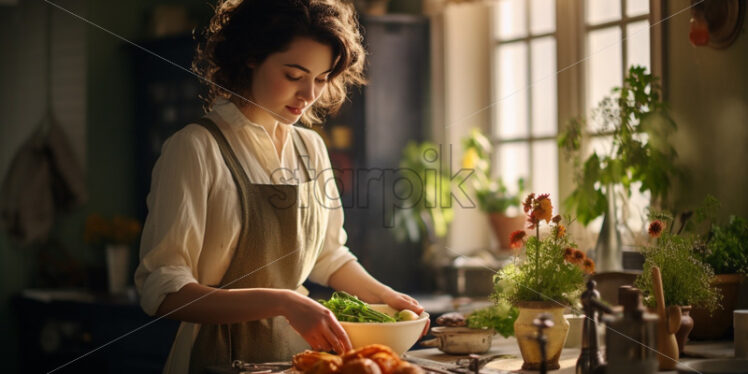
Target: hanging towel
[(44, 178)]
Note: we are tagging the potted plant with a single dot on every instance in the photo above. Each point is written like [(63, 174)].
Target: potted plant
[(491, 193), (726, 252), (685, 278), (427, 211), (639, 155), (116, 236), (548, 278)]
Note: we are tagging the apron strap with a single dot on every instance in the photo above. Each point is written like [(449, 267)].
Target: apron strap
[(232, 162)]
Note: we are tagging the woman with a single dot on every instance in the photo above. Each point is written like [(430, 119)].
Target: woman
[(243, 207)]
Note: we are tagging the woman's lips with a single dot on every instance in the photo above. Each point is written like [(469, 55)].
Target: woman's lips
[(295, 111)]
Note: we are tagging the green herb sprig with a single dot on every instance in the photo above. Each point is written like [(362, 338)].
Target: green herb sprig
[(498, 317), (349, 308)]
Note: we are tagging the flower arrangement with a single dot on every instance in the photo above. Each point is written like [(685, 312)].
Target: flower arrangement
[(553, 269), (118, 230), (491, 193), (685, 278)]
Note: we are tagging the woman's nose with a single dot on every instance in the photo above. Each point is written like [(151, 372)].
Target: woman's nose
[(306, 93)]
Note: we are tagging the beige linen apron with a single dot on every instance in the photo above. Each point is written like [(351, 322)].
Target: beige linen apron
[(281, 236)]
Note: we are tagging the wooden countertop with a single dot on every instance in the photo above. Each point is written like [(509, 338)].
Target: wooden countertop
[(568, 359)]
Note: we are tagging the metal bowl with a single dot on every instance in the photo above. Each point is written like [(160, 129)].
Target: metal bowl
[(460, 340)]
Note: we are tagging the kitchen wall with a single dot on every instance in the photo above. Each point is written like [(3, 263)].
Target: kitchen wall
[(95, 111), (707, 90)]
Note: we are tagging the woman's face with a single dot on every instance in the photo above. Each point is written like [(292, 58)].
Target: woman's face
[(287, 83)]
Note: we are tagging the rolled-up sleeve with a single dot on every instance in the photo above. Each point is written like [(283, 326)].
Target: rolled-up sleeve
[(175, 227), (334, 253)]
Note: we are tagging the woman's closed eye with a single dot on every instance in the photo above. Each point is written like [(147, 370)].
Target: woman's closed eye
[(294, 79)]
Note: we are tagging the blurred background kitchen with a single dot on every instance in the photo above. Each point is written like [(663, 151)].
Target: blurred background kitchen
[(85, 110)]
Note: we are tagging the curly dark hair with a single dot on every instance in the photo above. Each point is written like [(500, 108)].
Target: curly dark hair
[(248, 31)]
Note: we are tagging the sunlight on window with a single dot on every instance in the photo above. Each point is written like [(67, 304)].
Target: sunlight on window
[(599, 11), (542, 16), (637, 44), (544, 168), (543, 90), (513, 163), (511, 94), (510, 18), (637, 7), (604, 64)]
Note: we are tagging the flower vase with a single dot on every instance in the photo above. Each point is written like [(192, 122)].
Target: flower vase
[(526, 333), (118, 267), (686, 325), (608, 250)]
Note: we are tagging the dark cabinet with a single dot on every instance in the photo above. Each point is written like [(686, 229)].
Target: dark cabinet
[(90, 334), (386, 114)]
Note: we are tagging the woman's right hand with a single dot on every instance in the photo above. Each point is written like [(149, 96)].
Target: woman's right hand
[(316, 324)]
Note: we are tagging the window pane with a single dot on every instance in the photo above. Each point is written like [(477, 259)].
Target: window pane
[(602, 145), (604, 64), (543, 89), (637, 7), (513, 163), (510, 19), (637, 44), (542, 16), (511, 100), (545, 168), (599, 11)]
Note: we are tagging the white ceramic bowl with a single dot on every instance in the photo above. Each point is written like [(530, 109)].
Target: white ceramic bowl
[(399, 336)]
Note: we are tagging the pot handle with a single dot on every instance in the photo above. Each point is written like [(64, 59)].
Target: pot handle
[(433, 343)]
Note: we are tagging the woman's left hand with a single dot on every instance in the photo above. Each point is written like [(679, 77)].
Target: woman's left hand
[(401, 301)]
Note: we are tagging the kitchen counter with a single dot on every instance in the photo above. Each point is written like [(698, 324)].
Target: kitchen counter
[(512, 362)]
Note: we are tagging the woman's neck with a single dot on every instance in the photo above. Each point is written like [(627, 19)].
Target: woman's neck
[(257, 116)]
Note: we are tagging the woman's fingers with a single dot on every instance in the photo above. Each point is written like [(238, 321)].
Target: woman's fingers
[(341, 336), (426, 328)]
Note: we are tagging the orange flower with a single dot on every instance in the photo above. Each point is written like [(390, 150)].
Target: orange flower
[(589, 266), (560, 231), (579, 257), (557, 219), (527, 204), (542, 209), (516, 239), (569, 254), (655, 228)]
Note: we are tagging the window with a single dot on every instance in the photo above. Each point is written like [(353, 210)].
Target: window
[(525, 121), (603, 37)]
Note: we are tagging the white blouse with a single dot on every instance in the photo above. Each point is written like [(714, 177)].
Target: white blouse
[(193, 223)]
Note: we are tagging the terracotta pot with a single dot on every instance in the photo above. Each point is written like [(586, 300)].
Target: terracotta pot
[(503, 226), (526, 333), (686, 325), (719, 323)]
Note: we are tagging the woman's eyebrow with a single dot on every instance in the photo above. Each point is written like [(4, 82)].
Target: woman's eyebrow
[(303, 68)]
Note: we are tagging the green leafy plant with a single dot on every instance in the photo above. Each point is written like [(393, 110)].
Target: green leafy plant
[(500, 317), (491, 193), (685, 278), (552, 268), (428, 207), (727, 247), (638, 122)]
